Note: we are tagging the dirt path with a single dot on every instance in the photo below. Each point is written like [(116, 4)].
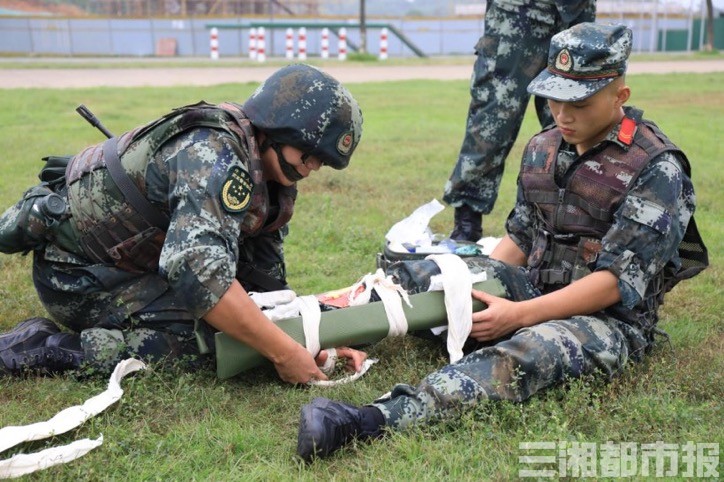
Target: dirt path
[(172, 76)]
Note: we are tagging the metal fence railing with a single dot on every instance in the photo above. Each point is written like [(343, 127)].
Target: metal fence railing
[(190, 36)]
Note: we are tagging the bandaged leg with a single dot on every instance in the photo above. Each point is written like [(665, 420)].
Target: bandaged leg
[(354, 325), (531, 360)]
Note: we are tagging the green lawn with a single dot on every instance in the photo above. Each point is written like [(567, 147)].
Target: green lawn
[(173, 425), (9, 61)]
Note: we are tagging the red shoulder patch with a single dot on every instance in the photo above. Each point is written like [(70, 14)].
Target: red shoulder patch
[(626, 133)]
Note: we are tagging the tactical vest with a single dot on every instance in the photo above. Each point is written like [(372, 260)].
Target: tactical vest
[(123, 236), (572, 220)]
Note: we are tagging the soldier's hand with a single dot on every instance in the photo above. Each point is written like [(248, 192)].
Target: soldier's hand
[(299, 367), (495, 321), (354, 358)]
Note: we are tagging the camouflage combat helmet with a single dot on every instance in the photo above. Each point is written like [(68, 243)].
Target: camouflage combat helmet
[(303, 107)]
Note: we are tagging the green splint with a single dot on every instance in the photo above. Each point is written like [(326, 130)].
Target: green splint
[(355, 325)]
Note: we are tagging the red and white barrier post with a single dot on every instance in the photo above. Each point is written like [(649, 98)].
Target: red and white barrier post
[(214, 43), (260, 45), (342, 46), (252, 43), (383, 44), (324, 44), (289, 44), (302, 44)]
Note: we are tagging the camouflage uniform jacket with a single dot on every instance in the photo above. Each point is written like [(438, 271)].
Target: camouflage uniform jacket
[(648, 216), (200, 166)]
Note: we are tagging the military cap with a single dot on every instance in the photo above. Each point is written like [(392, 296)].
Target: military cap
[(582, 60)]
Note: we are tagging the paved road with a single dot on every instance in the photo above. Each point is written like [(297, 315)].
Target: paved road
[(172, 76)]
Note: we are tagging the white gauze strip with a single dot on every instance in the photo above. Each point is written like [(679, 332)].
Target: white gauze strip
[(270, 299), (22, 464), (284, 304), (390, 294), (64, 421), (350, 378), (311, 316), (458, 285)]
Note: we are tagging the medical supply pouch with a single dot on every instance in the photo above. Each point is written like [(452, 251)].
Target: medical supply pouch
[(393, 252), (411, 239)]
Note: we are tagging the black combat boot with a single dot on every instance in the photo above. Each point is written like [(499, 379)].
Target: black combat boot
[(29, 332), (326, 425), (468, 224), (38, 344)]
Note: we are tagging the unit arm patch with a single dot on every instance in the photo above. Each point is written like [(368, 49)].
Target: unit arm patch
[(236, 191)]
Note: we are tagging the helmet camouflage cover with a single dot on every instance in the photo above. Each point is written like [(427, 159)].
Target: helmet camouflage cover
[(301, 106)]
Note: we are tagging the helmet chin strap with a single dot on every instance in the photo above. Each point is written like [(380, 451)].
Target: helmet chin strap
[(289, 171)]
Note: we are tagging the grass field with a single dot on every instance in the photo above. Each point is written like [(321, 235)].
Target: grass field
[(8, 61), (174, 425)]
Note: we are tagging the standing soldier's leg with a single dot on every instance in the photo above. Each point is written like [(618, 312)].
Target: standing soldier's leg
[(512, 51)]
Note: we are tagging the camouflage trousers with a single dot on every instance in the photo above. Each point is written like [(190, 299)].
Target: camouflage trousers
[(512, 51), (119, 314), (530, 360), (116, 313)]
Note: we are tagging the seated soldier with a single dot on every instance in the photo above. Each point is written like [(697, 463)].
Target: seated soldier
[(593, 242), (147, 244)]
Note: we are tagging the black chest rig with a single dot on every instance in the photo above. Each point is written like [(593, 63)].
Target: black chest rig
[(131, 237), (572, 220)]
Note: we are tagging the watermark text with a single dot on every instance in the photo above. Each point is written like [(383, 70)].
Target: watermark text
[(623, 459)]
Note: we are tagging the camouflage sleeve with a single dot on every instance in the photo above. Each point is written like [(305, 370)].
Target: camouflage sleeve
[(201, 248), (520, 225), (648, 227)]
